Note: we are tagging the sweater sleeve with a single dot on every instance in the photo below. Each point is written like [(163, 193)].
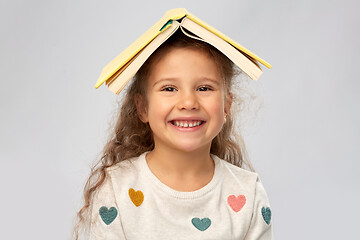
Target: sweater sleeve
[(261, 223), (105, 220)]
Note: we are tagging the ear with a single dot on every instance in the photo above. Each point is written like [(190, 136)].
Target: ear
[(141, 108), (228, 102)]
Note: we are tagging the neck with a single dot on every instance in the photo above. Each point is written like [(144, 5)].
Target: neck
[(181, 164)]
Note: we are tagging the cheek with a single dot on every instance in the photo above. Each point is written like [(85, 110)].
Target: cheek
[(158, 108), (215, 106)]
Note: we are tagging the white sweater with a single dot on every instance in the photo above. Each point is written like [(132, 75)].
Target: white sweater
[(134, 204)]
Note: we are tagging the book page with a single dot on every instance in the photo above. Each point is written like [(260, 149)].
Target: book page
[(118, 83), (241, 60)]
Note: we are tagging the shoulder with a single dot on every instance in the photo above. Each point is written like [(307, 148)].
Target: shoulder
[(247, 180), (241, 172), (124, 164), (114, 185), (240, 175), (125, 169), (120, 173)]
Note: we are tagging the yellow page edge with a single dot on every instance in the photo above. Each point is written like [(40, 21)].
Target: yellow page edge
[(229, 40), (119, 61)]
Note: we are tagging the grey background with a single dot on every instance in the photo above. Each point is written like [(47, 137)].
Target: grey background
[(54, 123)]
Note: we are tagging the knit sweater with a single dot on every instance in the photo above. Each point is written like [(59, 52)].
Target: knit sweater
[(134, 204)]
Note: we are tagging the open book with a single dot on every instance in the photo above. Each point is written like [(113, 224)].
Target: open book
[(120, 70)]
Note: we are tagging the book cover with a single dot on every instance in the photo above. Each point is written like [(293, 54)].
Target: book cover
[(119, 64)]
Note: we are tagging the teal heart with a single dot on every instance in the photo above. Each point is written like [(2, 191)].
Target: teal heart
[(266, 213), (202, 224), (108, 215)]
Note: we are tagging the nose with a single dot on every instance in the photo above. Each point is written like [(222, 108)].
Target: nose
[(188, 101)]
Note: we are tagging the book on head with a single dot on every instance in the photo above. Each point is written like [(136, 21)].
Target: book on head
[(122, 68)]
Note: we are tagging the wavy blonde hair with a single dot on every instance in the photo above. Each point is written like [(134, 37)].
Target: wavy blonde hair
[(131, 137)]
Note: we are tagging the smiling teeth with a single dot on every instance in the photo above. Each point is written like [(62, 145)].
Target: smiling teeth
[(187, 124)]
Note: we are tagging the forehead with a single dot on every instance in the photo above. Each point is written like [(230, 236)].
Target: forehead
[(185, 63)]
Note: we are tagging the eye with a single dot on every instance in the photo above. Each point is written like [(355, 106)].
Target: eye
[(168, 89), (204, 88)]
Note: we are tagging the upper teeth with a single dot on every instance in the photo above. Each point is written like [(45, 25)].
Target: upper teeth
[(186, 124)]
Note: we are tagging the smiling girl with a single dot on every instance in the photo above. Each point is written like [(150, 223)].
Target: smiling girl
[(172, 168)]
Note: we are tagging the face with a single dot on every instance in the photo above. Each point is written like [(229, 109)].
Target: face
[(186, 101)]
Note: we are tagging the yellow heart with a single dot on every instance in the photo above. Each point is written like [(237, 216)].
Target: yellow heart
[(137, 197)]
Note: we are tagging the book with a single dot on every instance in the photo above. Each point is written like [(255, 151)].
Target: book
[(122, 68)]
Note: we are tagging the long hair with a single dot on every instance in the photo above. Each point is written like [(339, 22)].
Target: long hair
[(131, 137)]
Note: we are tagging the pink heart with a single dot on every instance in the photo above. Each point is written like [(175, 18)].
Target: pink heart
[(236, 203)]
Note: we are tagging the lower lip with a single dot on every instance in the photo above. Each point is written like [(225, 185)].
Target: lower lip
[(188, 129)]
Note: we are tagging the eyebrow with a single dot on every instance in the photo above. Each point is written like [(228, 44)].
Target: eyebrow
[(176, 79)]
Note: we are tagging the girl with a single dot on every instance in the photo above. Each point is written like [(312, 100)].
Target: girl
[(172, 168)]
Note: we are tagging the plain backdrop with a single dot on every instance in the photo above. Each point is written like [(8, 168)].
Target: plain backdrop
[(304, 141)]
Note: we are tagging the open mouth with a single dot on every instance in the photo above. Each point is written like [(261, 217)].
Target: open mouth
[(187, 124)]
